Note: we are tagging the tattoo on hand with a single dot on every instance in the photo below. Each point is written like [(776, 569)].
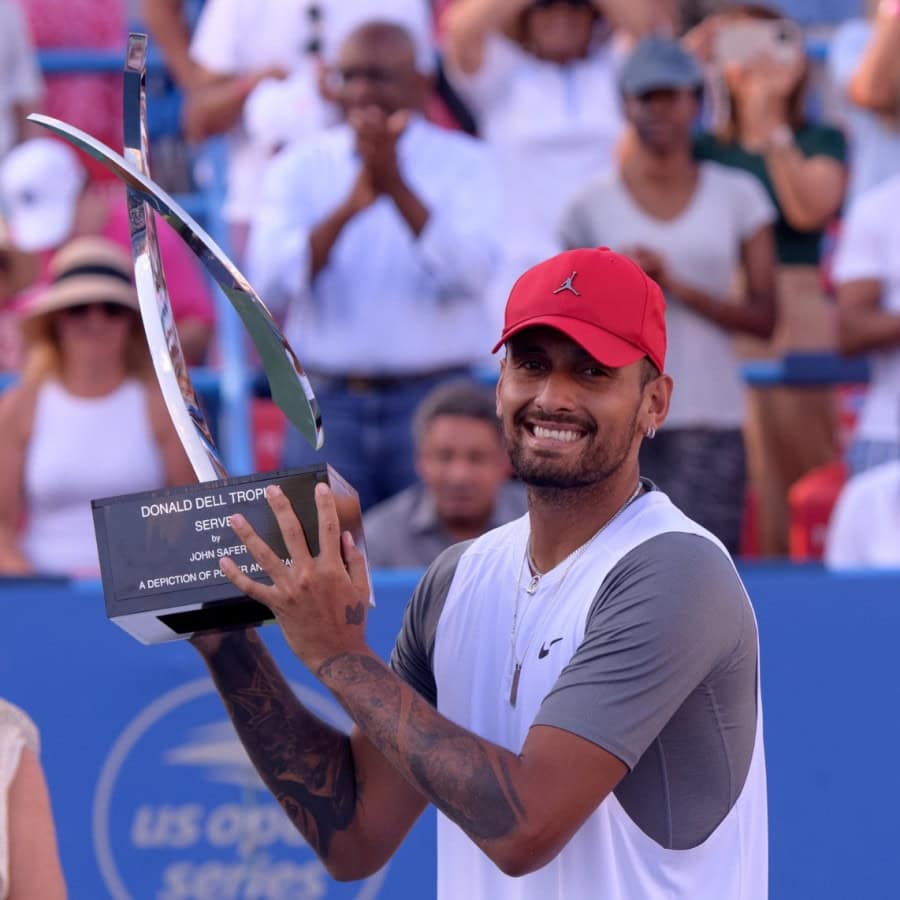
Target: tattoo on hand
[(355, 615), (465, 777)]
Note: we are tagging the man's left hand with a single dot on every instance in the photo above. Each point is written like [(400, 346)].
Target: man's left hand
[(652, 263), (377, 135), (320, 602)]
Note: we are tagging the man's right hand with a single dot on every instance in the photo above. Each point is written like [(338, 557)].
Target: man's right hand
[(364, 193), (651, 262), (377, 135), (376, 145)]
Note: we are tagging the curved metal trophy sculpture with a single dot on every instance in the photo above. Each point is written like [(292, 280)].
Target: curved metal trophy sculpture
[(159, 550), (290, 387)]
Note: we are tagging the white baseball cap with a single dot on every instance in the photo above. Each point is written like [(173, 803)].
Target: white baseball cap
[(40, 183)]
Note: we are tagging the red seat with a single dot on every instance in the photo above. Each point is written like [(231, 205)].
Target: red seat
[(810, 501), (268, 435)]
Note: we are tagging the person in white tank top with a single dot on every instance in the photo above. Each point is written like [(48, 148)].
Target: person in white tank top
[(576, 691), (86, 419)]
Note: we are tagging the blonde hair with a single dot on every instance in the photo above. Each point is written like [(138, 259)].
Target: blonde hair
[(42, 358)]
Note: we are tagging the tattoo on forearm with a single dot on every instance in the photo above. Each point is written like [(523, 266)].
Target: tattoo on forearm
[(355, 615), (465, 777), (306, 764)]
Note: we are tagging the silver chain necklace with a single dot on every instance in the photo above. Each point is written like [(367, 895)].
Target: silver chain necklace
[(532, 586)]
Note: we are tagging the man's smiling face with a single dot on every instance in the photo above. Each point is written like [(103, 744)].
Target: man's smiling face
[(568, 420)]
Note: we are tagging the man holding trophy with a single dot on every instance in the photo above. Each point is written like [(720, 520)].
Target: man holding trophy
[(569, 743), (576, 691)]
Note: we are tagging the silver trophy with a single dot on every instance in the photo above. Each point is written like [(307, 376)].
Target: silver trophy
[(159, 550)]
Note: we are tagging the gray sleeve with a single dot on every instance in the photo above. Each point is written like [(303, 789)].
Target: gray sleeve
[(574, 226), (384, 539), (666, 616), (413, 654)]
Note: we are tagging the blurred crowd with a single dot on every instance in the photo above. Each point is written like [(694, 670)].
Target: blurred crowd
[(391, 168)]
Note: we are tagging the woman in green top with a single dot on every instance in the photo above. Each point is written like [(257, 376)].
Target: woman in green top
[(761, 66)]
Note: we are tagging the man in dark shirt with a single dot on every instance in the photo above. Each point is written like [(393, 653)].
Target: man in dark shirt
[(464, 487)]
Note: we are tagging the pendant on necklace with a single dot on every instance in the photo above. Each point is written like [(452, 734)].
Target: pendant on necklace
[(533, 584), (514, 690)]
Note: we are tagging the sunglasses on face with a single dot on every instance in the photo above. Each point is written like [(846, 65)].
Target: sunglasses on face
[(109, 307), (378, 76), (538, 4)]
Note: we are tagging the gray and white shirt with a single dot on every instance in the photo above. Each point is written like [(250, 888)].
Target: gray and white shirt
[(648, 649)]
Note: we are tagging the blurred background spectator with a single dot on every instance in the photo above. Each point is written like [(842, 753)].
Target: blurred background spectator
[(169, 24), (386, 290), (867, 276), (29, 860), (50, 199), (691, 226), (86, 420), (92, 101), (862, 533), (540, 81), (21, 84), (380, 236), (864, 63), (233, 75), (759, 61), (464, 486), (18, 270)]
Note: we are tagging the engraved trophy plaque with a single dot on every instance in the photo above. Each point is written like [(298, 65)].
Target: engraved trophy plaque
[(159, 550)]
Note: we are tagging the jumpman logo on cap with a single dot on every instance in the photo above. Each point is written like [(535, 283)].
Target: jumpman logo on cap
[(568, 285)]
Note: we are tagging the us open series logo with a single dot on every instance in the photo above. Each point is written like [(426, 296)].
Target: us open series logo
[(180, 814)]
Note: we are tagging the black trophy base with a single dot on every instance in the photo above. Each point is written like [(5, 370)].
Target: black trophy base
[(160, 550)]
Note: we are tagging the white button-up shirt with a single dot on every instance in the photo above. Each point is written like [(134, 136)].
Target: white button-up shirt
[(235, 37), (387, 302)]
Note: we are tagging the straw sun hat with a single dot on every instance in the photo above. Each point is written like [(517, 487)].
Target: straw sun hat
[(21, 268), (84, 271)]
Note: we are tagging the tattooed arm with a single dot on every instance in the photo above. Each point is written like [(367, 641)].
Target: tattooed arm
[(334, 788), (521, 809)]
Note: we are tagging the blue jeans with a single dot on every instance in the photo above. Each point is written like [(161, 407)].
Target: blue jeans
[(703, 471), (863, 454), (368, 433)]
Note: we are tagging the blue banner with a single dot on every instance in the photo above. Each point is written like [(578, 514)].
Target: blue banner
[(153, 794), (155, 799)]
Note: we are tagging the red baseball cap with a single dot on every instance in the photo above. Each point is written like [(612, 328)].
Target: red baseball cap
[(600, 299)]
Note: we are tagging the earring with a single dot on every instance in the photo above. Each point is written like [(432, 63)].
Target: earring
[(650, 432)]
